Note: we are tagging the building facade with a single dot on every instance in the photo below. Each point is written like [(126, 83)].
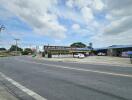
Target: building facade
[(117, 50), (64, 50)]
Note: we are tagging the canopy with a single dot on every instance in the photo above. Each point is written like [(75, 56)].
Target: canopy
[(129, 52)]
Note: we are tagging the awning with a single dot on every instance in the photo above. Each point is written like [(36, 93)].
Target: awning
[(129, 52)]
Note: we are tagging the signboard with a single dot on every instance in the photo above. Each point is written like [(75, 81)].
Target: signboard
[(58, 48)]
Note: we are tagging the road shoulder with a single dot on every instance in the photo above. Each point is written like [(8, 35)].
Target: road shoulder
[(5, 93), (89, 61), (8, 91)]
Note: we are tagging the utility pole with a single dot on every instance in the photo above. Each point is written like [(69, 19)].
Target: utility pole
[(2, 27), (16, 44), (37, 47)]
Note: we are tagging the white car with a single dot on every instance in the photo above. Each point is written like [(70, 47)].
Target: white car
[(79, 55), (101, 54)]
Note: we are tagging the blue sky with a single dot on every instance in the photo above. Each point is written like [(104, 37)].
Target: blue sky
[(62, 22)]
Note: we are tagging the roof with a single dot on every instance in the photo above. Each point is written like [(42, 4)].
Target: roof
[(83, 49), (114, 46), (104, 48), (65, 48), (120, 46)]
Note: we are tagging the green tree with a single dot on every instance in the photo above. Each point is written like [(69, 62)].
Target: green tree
[(13, 48), (78, 45), (27, 51), (2, 49)]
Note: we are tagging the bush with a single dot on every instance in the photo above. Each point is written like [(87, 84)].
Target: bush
[(27, 51)]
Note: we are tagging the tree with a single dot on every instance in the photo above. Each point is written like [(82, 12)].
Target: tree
[(78, 45), (13, 48), (27, 51), (2, 49)]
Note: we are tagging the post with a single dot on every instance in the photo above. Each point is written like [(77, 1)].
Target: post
[(16, 44)]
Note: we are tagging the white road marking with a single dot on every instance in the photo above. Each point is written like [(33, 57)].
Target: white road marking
[(22, 88), (80, 69)]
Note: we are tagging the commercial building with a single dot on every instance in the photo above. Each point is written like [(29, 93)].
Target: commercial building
[(115, 50), (64, 50), (118, 50)]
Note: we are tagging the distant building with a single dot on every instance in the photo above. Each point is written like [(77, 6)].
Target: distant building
[(101, 50), (117, 50), (114, 50)]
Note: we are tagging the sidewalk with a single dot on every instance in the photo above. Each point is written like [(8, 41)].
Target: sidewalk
[(97, 60), (4, 93)]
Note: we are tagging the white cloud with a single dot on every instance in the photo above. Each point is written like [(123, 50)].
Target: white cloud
[(4, 14), (75, 26), (87, 11), (100, 40), (79, 3), (87, 14), (119, 26), (98, 4), (38, 14), (81, 32), (119, 15), (117, 31), (43, 15), (86, 7), (69, 3), (69, 14)]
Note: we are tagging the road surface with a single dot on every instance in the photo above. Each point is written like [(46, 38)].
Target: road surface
[(46, 80)]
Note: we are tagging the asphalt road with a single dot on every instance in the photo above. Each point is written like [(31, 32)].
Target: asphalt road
[(70, 81)]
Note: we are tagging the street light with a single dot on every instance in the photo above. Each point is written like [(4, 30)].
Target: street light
[(2, 27)]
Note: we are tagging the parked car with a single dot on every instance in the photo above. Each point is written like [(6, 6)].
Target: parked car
[(79, 55), (101, 54)]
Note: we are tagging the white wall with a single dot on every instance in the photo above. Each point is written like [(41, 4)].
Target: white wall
[(62, 56)]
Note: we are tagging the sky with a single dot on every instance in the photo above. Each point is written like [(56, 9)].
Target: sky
[(62, 22)]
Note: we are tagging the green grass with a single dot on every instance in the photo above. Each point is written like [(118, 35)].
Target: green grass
[(4, 54)]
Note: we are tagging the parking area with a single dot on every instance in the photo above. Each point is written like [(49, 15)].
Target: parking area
[(108, 60)]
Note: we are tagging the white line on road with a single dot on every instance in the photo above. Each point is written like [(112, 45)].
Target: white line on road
[(22, 88), (79, 69)]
